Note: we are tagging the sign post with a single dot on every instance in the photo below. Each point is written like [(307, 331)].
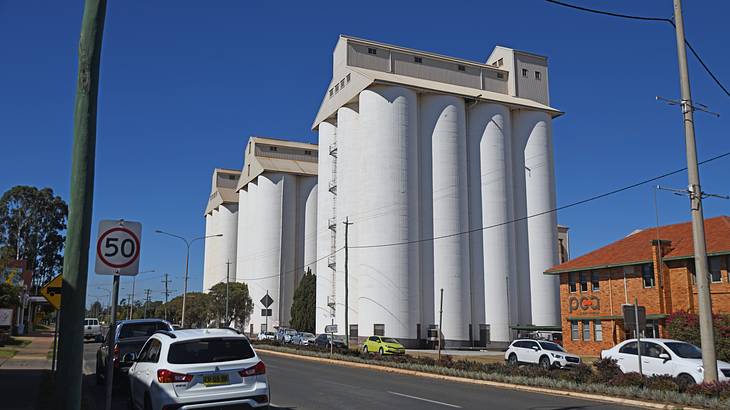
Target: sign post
[(52, 292), (266, 301), (331, 329), (117, 253), (635, 319)]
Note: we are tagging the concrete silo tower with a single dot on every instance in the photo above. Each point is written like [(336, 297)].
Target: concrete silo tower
[(221, 217)]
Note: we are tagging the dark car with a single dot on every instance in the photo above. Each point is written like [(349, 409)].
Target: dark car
[(325, 340), (128, 336)]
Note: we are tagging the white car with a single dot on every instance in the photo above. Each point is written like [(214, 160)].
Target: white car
[(303, 339), (266, 336), (663, 356), (92, 329), (546, 354), (197, 368)]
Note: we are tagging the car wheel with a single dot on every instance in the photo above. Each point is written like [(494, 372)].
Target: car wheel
[(512, 359), (380, 351), (545, 363), (365, 349), (686, 380)]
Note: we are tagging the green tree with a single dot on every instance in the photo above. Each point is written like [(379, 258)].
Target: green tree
[(32, 224), (95, 309), (9, 295), (240, 305), (198, 311), (304, 305)]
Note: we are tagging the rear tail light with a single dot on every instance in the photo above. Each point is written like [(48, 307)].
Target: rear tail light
[(167, 376), (259, 368), (116, 355)]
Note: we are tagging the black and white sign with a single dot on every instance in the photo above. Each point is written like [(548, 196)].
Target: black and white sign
[(118, 247), (330, 329), (267, 300), (265, 312)]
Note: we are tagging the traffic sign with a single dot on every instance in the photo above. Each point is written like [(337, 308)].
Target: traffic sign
[(52, 291), (265, 312), (118, 248), (330, 329), (630, 317), (267, 300)]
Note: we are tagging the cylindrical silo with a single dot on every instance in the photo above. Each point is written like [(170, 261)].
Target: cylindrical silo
[(207, 273), (443, 134), (228, 227), (521, 242), (325, 211), (289, 271), (489, 132), (308, 188), (389, 122), (215, 250), (542, 229)]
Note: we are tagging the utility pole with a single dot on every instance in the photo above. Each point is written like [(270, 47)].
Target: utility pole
[(707, 340), (167, 293), (441, 318), (146, 301), (228, 278), (347, 224), (131, 297), (76, 250), (130, 302)]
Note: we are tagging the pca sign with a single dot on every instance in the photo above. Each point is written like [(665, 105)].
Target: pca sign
[(583, 303)]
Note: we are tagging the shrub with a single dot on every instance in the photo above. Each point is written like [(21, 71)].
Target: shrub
[(720, 390), (686, 327), (580, 374), (631, 379), (663, 383), (606, 369)]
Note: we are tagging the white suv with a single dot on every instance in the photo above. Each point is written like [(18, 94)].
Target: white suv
[(546, 354), (199, 368), (664, 356)]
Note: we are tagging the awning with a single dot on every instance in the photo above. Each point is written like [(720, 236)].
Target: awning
[(652, 316), (533, 328)]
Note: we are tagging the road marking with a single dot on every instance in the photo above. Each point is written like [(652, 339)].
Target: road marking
[(427, 400)]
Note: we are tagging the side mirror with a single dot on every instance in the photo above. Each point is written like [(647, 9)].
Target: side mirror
[(535, 348), (665, 356), (129, 357)]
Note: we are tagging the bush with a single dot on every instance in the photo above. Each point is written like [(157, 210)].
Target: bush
[(606, 369), (663, 383), (686, 327), (631, 379), (720, 390), (580, 374)]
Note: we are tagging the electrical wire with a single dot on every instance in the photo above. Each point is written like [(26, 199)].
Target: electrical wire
[(662, 19), (560, 208)]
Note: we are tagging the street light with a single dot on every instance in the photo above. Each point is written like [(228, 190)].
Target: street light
[(187, 262), (110, 297), (131, 298)]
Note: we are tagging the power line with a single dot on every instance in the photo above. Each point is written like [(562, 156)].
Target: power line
[(560, 208), (662, 19)]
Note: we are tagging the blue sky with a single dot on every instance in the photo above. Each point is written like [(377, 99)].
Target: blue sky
[(184, 83)]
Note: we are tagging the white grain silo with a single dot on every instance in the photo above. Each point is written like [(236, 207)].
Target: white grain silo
[(221, 217), (325, 224)]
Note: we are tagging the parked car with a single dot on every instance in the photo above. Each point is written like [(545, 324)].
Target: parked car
[(303, 339), (664, 356), (284, 334), (266, 336), (546, 354), (326, 339), (383, 345), (92, 329), (128, 336), (200, 368)]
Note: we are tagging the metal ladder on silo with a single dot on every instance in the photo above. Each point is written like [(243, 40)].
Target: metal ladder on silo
[(332, 223)]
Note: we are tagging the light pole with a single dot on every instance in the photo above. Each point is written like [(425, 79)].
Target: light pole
[(110, 296), (131, 297), (187, 262)]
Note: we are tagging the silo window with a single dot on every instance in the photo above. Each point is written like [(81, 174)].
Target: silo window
[(461, 67), (418, 60), (500, 75), (342, 83), (524, 72), (348, 78), (307, 152), (379, 329), (337, 87), (273, 148), (537, 75), (500, 62), (372, 51), (249, 169), (332, 92)]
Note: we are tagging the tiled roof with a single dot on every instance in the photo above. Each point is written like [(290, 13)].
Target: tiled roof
[(636, 248)]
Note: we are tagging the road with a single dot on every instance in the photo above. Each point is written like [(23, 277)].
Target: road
[(300, 384)]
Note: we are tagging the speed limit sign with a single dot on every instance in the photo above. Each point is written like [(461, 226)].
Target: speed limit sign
[(118, 247)]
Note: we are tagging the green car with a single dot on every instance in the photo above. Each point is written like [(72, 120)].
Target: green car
[(383, 345)]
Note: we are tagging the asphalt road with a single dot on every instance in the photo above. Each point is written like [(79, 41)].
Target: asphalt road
[(94, 394), (300, 384)]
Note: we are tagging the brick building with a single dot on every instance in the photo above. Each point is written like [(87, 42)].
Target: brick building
[(655, 265)]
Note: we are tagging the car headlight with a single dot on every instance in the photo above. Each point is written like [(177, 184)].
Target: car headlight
[(557, 356), (700, 369)]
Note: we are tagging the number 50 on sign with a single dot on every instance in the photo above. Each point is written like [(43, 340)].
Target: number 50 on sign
[(118, 247)]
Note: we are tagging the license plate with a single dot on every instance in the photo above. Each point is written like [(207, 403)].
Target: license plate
[(215, 379)]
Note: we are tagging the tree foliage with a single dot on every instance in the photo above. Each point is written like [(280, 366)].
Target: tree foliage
[(32, 225), (304, 305), (9, 295), (686, 327), (240, 305), (198, 310)]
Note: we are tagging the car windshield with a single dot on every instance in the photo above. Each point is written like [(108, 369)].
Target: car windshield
[(307, 335), (552, 346), (685, 350), (388, 340), (209, 351), (145, 329), (291, 332)]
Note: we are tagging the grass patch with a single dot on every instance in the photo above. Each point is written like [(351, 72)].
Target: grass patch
[(15, 342), (7, 353)]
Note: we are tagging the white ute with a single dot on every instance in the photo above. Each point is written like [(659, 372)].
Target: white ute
[(92, 329), (196, 369)]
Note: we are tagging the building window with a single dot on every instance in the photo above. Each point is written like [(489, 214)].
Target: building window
[(500, 75), (460, 67), (332, 92), (715, 269), (583, 281), (347, 78), (372, 51), (337, 87), (379, 329), (652, 328), (595, 282), (307, 152), (647, 274), (571, 282), (273, 148), (524, 72), (418, 60), (249, 147), (537, 75), (574, 330), (342, 83), (586, 331), (598, 331), (249, 169), (500, 62)]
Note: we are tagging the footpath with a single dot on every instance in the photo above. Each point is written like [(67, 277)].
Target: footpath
[(22, 375)]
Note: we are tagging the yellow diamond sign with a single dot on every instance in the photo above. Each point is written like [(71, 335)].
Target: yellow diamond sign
[(52, 291)]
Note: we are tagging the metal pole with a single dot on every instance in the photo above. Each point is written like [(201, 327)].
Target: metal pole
[(131, 298), (266, 318), (709, 360), (638, 333), (228, 273), (441, 318), (76, 250), (347, 275), (55, 343), (185, 290), (109, 373), (167, 294)]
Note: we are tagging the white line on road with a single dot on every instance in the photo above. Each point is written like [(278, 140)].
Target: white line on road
[(428, 400)]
